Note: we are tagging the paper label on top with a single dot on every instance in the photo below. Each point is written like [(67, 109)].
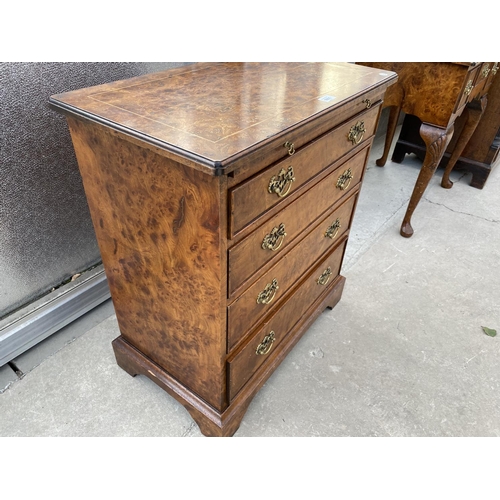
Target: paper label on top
[(326, 98)]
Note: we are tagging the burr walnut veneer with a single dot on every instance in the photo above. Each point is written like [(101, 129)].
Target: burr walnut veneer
[(222, 196)]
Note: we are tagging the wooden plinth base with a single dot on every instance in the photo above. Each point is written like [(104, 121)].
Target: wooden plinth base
[(210, 421)]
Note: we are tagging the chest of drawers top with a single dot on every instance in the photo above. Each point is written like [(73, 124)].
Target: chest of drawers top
[(209, 115)]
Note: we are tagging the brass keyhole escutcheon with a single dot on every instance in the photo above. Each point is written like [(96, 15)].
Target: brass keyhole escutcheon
[(265, 346), (325, 276), (356, 133), (486, 70), (290, 147), (274, 239), (282, 183), (333, 229), (494, 69), (267, 295), (344, 180), (468, 88), (367, 102)]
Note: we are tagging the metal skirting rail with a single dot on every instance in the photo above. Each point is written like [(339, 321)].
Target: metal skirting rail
[(32, 324)]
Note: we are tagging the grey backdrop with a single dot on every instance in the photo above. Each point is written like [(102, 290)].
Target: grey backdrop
[(46, 234)]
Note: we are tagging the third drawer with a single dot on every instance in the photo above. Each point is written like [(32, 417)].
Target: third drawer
[(272, 287)]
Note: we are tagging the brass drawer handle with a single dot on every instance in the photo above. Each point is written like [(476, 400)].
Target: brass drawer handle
[(281, 183), (265, 346), (468, 88), (344, 180), (267, 295), (274, 239), (485, 71), (356, 133), (333, 229), (325, 277), (290, 147), (494, 69)]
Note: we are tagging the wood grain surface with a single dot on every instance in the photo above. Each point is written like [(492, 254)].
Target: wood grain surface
[(158, 225), (212, 111), (427, 90)]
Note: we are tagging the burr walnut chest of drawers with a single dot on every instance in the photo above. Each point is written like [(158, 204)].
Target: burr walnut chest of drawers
[(222, 196)]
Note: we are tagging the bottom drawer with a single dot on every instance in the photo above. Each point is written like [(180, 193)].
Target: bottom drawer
[(245, 362)]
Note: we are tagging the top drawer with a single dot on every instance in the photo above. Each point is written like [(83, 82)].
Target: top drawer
[(262, 192)]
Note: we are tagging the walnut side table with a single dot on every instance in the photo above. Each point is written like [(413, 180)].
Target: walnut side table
[(436, 93), (480, 155)]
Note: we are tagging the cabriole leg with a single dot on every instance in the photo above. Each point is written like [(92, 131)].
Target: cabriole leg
[(436, 140)]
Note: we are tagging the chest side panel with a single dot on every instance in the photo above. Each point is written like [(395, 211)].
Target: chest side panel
[(158, 224)]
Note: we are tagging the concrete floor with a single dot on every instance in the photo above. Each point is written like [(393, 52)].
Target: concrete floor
[(402, 354)]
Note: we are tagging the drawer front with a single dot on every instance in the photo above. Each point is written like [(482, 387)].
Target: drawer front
[(264, 191), (245, 362), (482, 78), (467, 91), (272, 287), (273, 238), (493, 68)]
